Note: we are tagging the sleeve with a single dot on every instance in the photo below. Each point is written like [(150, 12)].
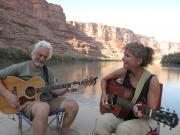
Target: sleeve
[(11, 70)]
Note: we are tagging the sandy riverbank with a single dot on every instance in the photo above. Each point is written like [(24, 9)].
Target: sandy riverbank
[(83, 124)]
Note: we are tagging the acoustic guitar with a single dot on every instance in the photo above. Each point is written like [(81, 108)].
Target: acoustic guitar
[(31, 90), (120, 105), (115, 88)]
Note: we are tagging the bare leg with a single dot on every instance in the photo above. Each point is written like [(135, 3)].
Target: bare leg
[(71, 109), (40, 112)]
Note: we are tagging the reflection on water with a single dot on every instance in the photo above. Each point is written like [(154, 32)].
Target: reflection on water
[(165, 74), (68, 72)]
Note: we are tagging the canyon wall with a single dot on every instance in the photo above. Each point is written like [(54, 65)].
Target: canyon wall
[(24, 22)]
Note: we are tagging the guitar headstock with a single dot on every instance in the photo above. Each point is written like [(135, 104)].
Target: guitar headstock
[(89, 81), (168, 118)]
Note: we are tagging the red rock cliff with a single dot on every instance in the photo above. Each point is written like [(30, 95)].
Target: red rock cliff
[(24, 22)]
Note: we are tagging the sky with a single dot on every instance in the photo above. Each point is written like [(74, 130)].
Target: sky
[(153, 18)]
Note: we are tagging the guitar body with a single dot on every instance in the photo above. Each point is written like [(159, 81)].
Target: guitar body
[(114, 88), (31, 90), (124, 105), (25, 91)]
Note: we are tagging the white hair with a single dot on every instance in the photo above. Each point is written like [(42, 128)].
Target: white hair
[(42, 44)]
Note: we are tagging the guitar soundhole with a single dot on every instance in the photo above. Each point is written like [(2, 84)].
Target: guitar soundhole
[(30, 91)]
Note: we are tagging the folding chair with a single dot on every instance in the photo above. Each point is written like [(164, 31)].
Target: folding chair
[(57, 115)]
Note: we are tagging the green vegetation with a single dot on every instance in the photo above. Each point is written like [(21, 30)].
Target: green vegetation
[(171, 58), (80, 57), (11, 54)]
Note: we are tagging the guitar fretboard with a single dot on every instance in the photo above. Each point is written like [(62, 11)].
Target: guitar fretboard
[(53, 87)]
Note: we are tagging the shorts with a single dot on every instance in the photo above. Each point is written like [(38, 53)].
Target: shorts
[(54, 104)]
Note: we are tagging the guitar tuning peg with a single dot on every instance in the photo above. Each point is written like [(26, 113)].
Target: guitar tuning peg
[(174, 111), (167, 109)]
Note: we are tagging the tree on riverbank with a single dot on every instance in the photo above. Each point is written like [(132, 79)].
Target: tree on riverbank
[(12, 54), (171, 58)]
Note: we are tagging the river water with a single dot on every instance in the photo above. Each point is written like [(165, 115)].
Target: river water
[(90, 96), (69, 72)]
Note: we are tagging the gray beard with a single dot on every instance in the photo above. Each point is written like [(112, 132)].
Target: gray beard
[(38, 64)]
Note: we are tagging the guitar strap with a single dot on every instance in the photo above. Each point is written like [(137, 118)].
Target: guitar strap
[(45, 72), (48, 95), (144, 77)]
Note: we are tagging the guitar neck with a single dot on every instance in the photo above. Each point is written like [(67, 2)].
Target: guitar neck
[(52, 87), (168, 118), (85, 82)]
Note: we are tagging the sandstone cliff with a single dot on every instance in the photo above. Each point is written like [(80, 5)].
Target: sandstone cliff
[(23, 22)]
